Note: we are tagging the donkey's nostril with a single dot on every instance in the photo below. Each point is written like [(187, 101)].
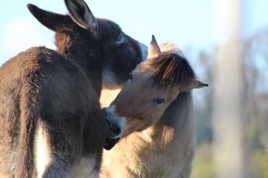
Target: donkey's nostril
[(116, 131)]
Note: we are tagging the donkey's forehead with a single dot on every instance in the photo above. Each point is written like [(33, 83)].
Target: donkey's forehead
[(108, 27)]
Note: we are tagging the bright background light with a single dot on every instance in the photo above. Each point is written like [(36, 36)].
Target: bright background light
[(189, 23)]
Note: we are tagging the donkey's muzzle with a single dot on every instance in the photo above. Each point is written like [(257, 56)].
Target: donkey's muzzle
[(115, 125), (113, 137)]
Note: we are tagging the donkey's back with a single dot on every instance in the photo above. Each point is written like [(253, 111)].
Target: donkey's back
[(46, 109)]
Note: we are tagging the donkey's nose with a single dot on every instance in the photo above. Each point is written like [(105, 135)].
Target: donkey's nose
[(144, 51)]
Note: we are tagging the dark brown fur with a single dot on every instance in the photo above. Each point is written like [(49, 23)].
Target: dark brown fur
[(59, 91), (46, 87)]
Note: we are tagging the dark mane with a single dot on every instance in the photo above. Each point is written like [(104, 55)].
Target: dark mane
[(171, 69)]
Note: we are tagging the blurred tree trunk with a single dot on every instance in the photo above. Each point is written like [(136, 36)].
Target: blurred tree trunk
[(228, 85)]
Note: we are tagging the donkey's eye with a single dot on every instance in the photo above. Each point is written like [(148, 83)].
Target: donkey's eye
[(120, 39), (159, 100)]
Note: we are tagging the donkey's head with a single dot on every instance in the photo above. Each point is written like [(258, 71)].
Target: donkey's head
[(95, 44), (153, 86)]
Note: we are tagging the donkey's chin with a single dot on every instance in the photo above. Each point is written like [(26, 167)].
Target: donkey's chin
[(114, 137)]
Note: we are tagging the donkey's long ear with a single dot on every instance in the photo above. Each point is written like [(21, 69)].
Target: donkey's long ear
[(154, 49), (81, 14), (49, 19)]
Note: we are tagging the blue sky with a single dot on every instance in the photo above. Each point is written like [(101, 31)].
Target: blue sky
[(189, 23)]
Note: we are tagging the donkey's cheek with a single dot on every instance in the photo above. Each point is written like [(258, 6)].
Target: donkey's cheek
[(132, 126), (109, 79)]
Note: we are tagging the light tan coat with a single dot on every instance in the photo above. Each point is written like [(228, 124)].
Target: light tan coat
[(164, 150)]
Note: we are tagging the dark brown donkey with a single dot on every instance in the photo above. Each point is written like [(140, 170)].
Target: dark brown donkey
[(50, 118)]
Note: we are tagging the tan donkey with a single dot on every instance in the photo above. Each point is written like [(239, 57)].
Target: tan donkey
[(157, 106)]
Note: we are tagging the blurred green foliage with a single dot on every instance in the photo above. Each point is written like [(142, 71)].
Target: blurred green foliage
[(203, 162), (259, 164)]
